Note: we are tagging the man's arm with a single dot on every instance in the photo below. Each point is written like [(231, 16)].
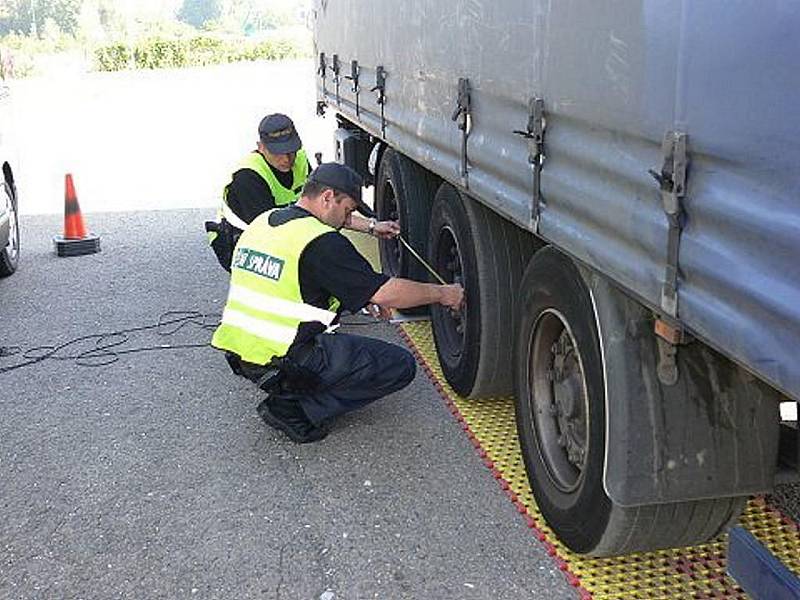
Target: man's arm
[(405, 293), (249, 195), (381, 229), (331, 266)]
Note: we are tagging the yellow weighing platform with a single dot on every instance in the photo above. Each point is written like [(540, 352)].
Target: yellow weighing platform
[(693, 572)]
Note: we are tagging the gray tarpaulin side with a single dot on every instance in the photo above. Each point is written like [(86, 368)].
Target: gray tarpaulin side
[(615, 77)]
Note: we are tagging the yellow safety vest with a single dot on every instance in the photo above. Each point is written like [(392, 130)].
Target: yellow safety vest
[(264, 307), (283, 196)]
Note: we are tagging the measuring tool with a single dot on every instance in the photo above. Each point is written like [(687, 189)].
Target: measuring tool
[(421, 260)]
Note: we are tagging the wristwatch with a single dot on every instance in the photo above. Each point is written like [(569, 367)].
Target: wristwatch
[(372, 223)]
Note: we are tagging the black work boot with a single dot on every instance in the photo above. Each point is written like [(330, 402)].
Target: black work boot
[(288, 417)]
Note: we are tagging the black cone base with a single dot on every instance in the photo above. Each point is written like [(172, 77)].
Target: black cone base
[(88, 245)]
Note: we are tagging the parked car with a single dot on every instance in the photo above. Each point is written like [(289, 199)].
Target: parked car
[(9, 217)]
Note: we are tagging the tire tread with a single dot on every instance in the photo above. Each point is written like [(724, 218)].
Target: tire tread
[(672, 525), (502, 251)]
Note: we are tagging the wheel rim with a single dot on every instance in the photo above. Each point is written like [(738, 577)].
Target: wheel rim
[(558, 400), (389, 211), (12, 247), (452, 325)]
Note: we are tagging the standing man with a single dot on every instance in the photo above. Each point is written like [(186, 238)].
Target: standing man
[(293, 272)]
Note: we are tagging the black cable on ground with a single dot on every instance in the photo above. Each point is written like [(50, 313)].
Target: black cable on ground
[(106, 349), (107, 346)]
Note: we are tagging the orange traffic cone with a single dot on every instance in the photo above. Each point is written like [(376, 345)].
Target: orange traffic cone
[(75, 240), (74, 229)]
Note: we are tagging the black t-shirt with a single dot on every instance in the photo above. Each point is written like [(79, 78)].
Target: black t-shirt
[(249, 195), (330, 266)]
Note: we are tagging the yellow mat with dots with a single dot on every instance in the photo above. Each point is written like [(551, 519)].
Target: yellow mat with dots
[(694, 572)]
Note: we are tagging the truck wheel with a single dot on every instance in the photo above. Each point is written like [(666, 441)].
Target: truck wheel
[(404, 192), (560, 406), (9, 256), (471, 245)]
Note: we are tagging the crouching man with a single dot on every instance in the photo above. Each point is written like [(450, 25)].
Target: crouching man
[(293, 272)]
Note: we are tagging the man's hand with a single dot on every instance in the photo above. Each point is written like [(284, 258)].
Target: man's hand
[(386, 229), (406, 293), (379, 312), (452, 296)]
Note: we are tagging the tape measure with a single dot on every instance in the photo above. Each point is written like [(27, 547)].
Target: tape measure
[(422, 260)]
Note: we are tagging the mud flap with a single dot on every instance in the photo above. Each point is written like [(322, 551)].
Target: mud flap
[(712, 434)]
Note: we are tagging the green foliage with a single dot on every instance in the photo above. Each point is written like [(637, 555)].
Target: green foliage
[(21, 53), (206, 51), (16, 56), (112, 16), (161, 53), (114, 57), (250, 17), (143, 35)]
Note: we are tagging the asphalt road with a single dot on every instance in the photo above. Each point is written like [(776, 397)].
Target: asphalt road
[(153, 477)]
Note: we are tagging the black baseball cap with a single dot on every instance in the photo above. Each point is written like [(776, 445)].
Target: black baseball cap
[(278, 134), (344, 180)]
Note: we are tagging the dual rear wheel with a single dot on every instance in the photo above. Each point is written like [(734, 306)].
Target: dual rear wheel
[(529, 327)]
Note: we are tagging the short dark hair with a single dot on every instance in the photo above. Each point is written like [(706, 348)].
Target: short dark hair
[(312, 189)]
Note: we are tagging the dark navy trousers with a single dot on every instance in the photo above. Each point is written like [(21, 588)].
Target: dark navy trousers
[(354, 370)]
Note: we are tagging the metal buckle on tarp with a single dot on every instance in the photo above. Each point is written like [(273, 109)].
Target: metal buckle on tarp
[(335, 67), (534, 133), (380, 87), (672, 185), (463, 111), (355, 71), (322, 71)]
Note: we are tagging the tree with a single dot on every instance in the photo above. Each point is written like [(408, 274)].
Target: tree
[(15, 15), (198, 12), (18, 15)]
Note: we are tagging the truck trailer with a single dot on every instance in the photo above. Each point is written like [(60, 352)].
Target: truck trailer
[(616, 185)]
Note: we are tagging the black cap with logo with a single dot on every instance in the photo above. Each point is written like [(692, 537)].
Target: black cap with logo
[(278, 134), (343, 179)]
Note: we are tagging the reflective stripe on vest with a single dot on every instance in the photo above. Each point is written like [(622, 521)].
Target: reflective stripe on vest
[(265, 307), (294, 310), (268, 332), (231, 217)]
